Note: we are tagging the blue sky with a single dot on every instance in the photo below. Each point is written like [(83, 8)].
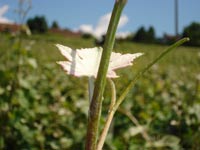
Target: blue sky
[(74, 13)]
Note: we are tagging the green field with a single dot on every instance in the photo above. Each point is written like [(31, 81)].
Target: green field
[(44, 108)]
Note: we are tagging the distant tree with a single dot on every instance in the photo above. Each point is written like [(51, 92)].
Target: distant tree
[(140, 35), (87, 36), (38, 24), (193, 32), (145, 36), (150, 35), (55, 25)]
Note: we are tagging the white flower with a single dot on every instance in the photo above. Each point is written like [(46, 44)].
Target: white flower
[(85, 62)]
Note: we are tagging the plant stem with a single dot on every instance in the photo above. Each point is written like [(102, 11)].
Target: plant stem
[(109, 119), (95, 105)]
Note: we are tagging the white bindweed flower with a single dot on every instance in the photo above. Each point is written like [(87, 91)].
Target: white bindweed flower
[(85, 62)]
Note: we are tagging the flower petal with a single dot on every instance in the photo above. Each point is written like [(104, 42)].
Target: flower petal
[(67, 52), (85, 62), (118, 60), (82, 62), (90, 53), (90, 58), (111, 74), (72, 69)]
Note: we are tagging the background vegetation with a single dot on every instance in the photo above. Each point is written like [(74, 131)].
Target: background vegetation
[(38, 24), (43, 108)]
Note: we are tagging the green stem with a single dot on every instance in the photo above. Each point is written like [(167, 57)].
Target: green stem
[(141, 73), (95, 105), (109, 119)]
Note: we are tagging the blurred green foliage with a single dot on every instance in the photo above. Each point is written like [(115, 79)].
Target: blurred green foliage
[(38, 24), (43, 108), (193, 32), (145, 36)]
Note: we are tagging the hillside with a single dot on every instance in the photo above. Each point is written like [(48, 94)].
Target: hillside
[(44, 108)]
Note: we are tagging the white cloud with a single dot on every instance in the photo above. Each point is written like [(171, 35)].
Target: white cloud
[(123, 35), (86, 29), (102, 26), (3, 10), (123, 21)]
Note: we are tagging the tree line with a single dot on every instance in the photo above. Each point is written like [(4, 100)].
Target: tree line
[(148, 36), (38, 24)]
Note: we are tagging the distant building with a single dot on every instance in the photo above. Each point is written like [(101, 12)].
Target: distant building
[(14, 28), (65, 32), (9, 28), (168, 39)]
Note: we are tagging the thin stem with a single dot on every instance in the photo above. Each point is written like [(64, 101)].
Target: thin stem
[(23, 11), (143, 71), (96, 103), (113, 93), (104, 133), (136, 122)]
